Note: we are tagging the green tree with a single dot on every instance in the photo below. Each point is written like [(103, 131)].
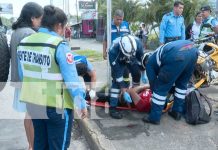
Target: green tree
[(131, 8), (102, 8)]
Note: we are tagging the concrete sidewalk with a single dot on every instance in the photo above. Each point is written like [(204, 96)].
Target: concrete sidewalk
[(131, 133)]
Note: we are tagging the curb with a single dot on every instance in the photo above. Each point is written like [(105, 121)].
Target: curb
[(93, 135)]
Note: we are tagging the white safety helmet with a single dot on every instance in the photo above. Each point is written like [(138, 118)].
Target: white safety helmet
[(145, 58), (128, 45)]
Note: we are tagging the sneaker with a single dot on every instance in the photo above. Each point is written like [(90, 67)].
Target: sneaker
[(147, 120), (115, 113), (175, 115)]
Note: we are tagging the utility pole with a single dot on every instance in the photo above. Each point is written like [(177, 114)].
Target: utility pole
[(216, 8), (77, 16), (108, 39)]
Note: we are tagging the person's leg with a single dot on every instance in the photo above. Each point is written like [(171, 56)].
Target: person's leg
[(114, 95), (59, 128), (36, 112), (167, 76), (126, 77), (135, 73), (29, 130), (181, 83), (40, 135)]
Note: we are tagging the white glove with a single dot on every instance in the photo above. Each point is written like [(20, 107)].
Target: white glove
[(92, 94)]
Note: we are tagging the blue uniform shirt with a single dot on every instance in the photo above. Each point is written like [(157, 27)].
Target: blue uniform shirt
[(68, 71), (172, 26)]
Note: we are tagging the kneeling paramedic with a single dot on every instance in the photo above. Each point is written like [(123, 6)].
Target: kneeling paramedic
[(125, 51), (172, 63), (86, 70), (50, 84)]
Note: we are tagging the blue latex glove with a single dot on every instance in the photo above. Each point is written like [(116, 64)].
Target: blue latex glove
[(79, 102), (144, 78), (127, 97)]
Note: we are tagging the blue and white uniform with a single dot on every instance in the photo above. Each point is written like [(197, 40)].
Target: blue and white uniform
[(116, 32), (118, 62), (172, 63)]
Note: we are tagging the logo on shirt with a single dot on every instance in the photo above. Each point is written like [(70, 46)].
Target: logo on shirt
[(69, 58)]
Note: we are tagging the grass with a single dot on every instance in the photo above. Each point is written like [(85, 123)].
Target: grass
[(91, 55)]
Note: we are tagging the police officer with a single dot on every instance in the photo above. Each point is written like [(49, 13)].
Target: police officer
[(172, 25), (210, 24), (119, 27), (125, 51), (171, 63), (86, 70), (50, 83)]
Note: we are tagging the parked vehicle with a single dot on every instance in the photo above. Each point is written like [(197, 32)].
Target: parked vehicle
[(206, 71)]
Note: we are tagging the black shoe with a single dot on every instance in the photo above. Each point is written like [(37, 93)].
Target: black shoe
[(147, 120), (115, 113), (175, 115)]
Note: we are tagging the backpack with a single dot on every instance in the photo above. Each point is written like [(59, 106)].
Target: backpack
[(195, 108)]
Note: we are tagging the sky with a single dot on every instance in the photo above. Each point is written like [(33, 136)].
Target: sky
[(18, 4)]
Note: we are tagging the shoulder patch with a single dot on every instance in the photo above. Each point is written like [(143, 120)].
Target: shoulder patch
[(69, 58)]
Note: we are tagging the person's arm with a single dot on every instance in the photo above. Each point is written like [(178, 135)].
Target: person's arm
[(162, 29), (105, 44), (70, 76), (188, 31), (92, 74), (134, 93), (105, 50), (183, 31)]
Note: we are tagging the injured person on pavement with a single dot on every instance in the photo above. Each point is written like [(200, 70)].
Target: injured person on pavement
[(139, 100)]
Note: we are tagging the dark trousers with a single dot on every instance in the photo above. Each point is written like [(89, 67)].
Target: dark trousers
[(53, 133), (177, 67)]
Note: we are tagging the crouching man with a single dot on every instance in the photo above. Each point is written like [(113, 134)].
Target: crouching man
[(172, 63)]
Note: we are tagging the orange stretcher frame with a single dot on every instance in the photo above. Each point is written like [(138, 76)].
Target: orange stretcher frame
[(106, 105)]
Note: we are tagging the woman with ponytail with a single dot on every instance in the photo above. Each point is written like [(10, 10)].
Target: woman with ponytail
[(28, 23)]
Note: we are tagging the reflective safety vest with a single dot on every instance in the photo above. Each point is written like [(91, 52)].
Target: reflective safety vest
[(42, 80), (207, 28)]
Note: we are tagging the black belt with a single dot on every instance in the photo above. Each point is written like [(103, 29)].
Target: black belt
[(172, 38)]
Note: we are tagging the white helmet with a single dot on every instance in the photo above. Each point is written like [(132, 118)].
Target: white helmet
[(128, 45)]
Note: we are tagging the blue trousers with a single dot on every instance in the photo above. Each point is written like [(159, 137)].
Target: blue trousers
[(176, 68), (53, 132), (115, 88)]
